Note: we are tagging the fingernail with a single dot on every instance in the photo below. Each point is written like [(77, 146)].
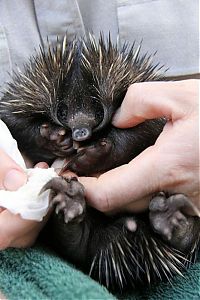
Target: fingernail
[(13, 180)]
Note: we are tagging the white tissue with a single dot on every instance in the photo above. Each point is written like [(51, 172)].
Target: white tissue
[(26, 201)]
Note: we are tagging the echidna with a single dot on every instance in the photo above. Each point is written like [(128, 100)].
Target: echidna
[(61, 105)]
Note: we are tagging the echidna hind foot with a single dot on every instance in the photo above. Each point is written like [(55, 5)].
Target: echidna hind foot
[(135, 257), (122, 252), (67, 196), (168, 219)]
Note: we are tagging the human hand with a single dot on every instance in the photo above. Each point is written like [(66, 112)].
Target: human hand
[(171, 165), (12, 176), (14, 231)]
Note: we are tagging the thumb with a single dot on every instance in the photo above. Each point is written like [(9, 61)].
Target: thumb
[(121, 186), (12, 176), (149, 100)]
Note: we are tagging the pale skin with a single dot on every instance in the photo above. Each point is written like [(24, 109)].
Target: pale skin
[(172, 164), (14, 231)]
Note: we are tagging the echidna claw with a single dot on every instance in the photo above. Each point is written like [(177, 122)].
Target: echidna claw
[(67, 195), (166, 216), (92, 158), (55, 139)]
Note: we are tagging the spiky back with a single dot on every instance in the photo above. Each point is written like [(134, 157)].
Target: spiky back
[(35, 91), (110, 70), (106, 69), (139, 259)]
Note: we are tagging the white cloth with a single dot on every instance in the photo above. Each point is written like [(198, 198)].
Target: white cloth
[(26, 201)]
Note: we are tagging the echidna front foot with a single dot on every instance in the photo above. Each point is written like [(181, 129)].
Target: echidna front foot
[(55, 139), (67, 195), (91, 159), (167, 218)]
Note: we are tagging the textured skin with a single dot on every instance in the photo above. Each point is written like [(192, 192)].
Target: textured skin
[(62, 107)]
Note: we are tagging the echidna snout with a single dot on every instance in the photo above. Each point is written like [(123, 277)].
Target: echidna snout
[(81, 133), (83, 123), (81, 127)]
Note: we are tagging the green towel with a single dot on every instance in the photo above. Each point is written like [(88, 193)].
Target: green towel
[(38, 273)]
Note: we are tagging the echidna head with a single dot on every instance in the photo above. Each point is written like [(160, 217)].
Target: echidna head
[(82, 112), (77, 85), (97, 88), (105, 71)]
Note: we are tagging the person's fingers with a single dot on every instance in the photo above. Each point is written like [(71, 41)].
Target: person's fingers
[(17, 232), (11, 175), (2, 297), (122, 186), (149, 100), (170, 165)]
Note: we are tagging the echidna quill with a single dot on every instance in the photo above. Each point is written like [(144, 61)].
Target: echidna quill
[(61, 106)]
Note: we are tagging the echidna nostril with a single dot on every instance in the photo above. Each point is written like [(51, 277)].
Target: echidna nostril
[(81, 134)]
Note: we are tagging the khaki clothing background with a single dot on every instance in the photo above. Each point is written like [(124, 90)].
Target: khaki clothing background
[(166, 26)]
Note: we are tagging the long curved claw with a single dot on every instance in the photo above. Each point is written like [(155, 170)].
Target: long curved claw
[(67, 195)]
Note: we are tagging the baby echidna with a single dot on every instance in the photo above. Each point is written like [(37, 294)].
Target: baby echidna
[(61, 106)]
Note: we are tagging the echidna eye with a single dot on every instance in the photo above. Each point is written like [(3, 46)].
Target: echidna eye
[(62, 113)]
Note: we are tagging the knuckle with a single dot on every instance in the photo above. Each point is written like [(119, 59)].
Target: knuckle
[(174, 176), (102, 202)]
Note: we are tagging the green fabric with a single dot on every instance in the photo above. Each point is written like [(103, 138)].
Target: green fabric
[(39, 274)]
